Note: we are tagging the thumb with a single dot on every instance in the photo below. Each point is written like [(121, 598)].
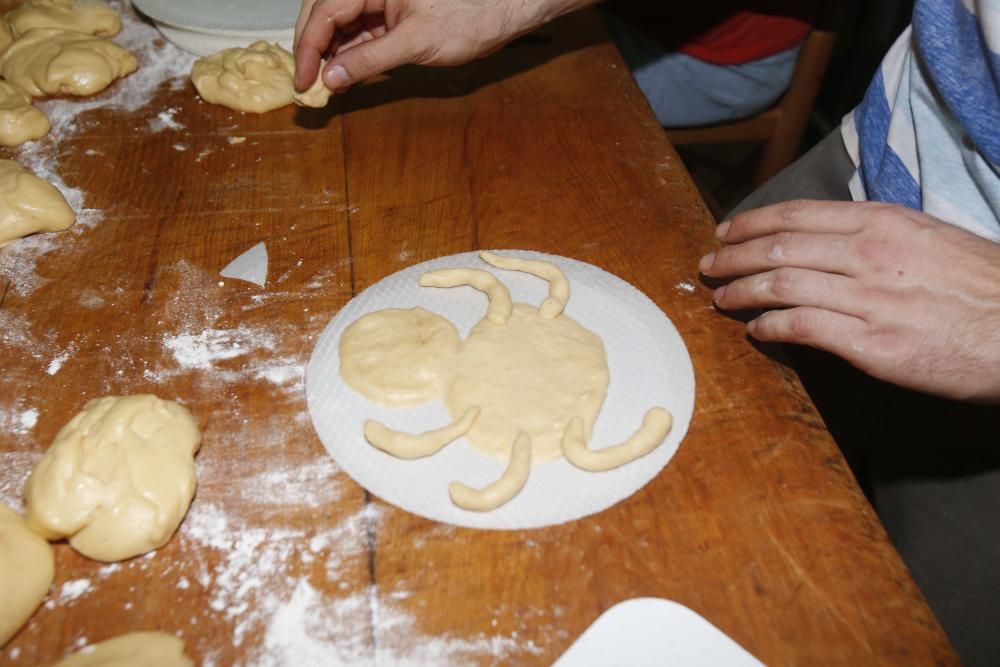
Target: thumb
[(367, 59)]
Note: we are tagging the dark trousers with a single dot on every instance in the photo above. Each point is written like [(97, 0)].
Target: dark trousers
[(930, 466)]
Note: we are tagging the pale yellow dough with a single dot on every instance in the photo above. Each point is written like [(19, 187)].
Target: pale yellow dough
[(531, 374), (655, 426), (558, 297), (118, 479), (26, 568), (51, 61), (500, 304), (93, 17), (19, 120), (399, 357), (415, 446), (29, 205), (136, 649), (6, 36), (504, 489), (256, 79)]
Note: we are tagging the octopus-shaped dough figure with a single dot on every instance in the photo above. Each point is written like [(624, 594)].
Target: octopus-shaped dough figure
[(525, 386)]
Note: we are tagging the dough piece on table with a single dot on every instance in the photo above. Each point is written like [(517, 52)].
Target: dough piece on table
[(500, 306), (558, 297), (118, 479), (19, 120), (148, 649), (51, 61), (318, 95), (410, 446), (530, 374), (655, 427), (399, 357), (502, 490), (6, 36), (93, 17), (257, 79), (29, 205), (26, 568)]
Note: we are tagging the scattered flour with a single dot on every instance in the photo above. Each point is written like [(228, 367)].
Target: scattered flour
[(165, 121), (685, 286), (73, 590)]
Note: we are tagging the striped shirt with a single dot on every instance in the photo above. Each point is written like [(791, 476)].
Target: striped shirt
[(927, 134)]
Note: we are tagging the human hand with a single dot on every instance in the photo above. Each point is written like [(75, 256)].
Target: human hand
[(901, 295), (367, 37)]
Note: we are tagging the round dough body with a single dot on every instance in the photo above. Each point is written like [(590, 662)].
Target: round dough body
[(532, 375), (26, 568), (149, 649), (51, 61), (19, 120), (399, 357), (28, 204), (118, 479), (93, 17)]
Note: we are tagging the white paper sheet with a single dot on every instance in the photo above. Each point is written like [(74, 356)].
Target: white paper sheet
[(648, 362)]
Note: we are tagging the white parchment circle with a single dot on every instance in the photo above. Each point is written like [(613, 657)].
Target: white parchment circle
[(648, 362)]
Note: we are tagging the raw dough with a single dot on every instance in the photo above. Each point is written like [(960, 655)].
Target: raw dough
[(502, 490), (148, 649), (19, 121), (26, 567), (399, 357), (6, 36), (409, 446), (258, 79), (93, 17), (530, 374), (317, 96), (51, 61), (118, 478), (500, 304), (558, 297), (28, 204), (655, 427)]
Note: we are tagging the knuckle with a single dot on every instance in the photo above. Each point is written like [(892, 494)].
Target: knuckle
[(779, 245), (802, 325), (793, 210), (785, 284)]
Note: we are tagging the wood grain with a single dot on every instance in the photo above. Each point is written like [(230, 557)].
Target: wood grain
[(757, 523)]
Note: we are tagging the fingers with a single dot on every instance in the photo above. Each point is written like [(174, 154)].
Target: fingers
[(801, 215), (821, 252), (370, 57), (324, 18), (795, 287), (843, 335)]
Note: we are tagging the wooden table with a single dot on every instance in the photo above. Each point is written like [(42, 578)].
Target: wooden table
[(756, 524)]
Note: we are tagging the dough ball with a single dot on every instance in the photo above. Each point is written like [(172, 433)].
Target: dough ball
[(6, 36), (29, 205), (51, 61), (118, 479), (19, 121), (26, 566), (530, 375), (257, 79), (399, 357), (93, 17), (148, 649)]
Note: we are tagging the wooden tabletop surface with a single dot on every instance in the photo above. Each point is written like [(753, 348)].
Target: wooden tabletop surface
[(756, 524)]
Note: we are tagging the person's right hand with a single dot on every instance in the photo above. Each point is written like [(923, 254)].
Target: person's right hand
[(363, 38)]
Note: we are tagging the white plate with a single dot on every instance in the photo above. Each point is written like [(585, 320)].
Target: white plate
[(648, 363), (231, 16), (206, 43), (652, 632)]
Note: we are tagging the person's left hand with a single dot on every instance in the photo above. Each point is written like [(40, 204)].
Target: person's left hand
[(901, 295)]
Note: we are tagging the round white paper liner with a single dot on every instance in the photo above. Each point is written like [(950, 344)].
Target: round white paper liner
[(648, 362), (223, 15)]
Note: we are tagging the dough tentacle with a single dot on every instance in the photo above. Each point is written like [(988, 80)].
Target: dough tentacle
[(655, 427), (414, 446), (558, 297), (502, 490), (500, 307)]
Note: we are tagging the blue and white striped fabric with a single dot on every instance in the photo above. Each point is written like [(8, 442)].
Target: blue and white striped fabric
[(927, 134)]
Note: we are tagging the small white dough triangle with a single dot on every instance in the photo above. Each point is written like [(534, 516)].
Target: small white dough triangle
[(251, 266)]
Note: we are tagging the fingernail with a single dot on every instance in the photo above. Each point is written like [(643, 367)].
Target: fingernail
[(336, 78), (706, 262), (722, 230), (719, 294), (752, 326)]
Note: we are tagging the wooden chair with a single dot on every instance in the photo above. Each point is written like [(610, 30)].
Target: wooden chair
[(781, 126)]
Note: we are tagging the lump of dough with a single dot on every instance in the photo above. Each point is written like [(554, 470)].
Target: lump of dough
[(258, 79), (501, 491), (6, 36), (118, 478), (26, 566), (399, 357), (317, 96), (93, 17), (28, 204), (19, 120), (148, 649), (656, 424), (50, 61)]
